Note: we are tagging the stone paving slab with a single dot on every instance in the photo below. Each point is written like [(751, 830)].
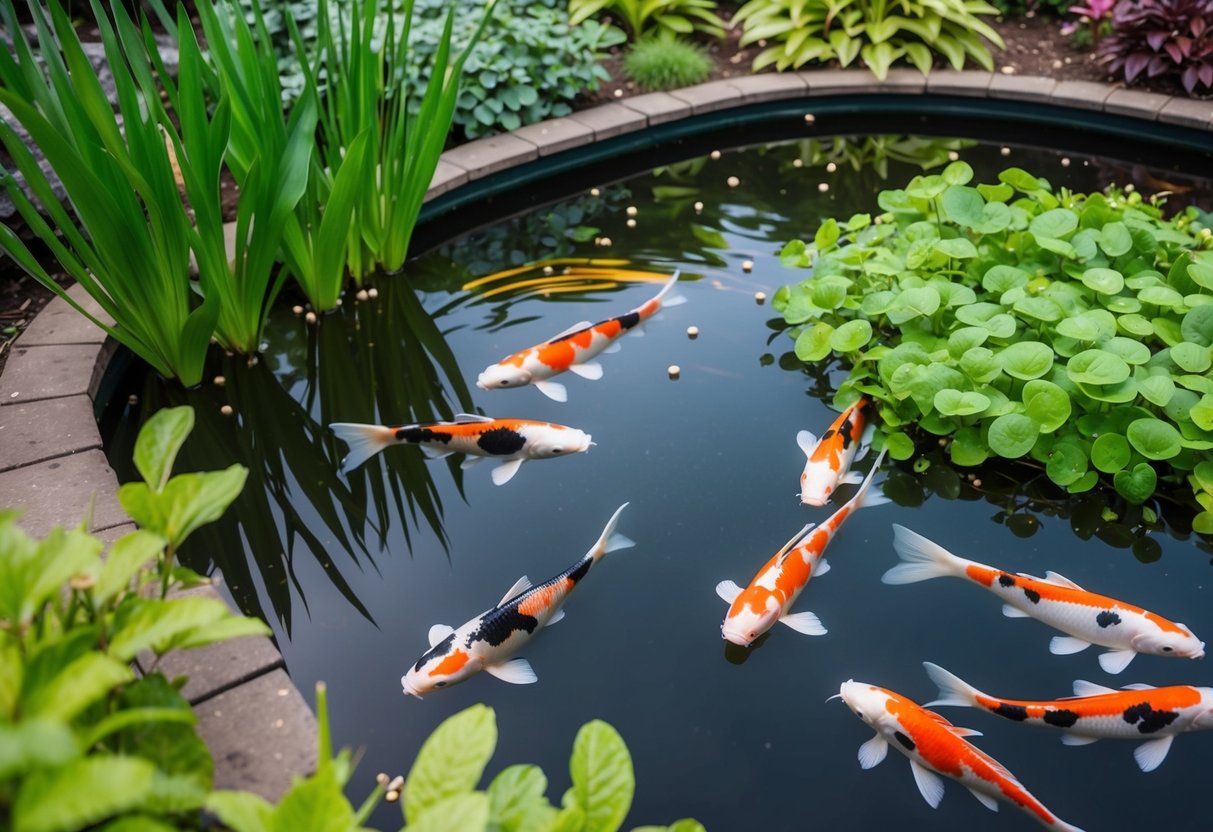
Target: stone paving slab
[(965, 82), (657, 107), (35, 431), (841, 81), (260, 734), (1188, 112), (770, 86), (610, 120), (1082, 95), (904, 80), (58, 493), (1022, 88), (485, 156), (1144, 105), (34, 373), (59, 323), (446, 177), (555, 135), (709, 97)]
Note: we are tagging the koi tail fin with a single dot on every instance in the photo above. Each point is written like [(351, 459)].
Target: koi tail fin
[(364, 440), (952, 689), (665, 298), (866, 497), (610, 540), (921, 559)]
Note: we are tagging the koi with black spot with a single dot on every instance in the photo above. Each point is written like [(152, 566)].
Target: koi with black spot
[(829, 459), (488, 641), (1095, 712)]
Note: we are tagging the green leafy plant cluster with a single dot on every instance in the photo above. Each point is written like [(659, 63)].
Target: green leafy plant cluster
[(666, 63), (877, 31), (1073, 329), (654, 17), (439, 794), (83, 738)]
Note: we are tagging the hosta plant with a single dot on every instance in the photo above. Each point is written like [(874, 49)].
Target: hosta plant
[(1023, 322), (1162, 38), (877, 31), (654, 17)]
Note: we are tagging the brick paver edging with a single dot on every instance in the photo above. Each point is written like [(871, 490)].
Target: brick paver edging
[(258, 726)]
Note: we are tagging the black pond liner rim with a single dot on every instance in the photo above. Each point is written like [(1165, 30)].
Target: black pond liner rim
[(499, 196)]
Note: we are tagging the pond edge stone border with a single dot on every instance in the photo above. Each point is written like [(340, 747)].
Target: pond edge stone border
[(258, 726)]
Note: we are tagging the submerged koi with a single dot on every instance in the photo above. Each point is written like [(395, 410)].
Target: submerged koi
[(1088, 618), (573, 349), (935, 746), (513, 441), (1095, 712), (487, 641), (829, 458), (773, 591)]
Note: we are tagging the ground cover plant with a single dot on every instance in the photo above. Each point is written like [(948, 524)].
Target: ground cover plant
[(1162, 38), (654, 17), (666, 63), (1071, 329), (877, 31)]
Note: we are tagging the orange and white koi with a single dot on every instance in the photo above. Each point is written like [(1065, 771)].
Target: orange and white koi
[(573, 349), (513, 441), (935, 746), (829, 458), (488, 640), (773, 591), (1096, 712), (1086, 617)]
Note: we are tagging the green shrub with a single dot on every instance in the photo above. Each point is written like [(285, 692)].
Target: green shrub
[(654, 17), (1074, 329), (879, 32), (666, 63)]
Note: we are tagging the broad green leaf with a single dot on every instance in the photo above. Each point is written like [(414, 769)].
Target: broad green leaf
[(958, 173), (236, 626), (1110, 452), (1021, 180), (900, 446), (160, 438), (78, 685), (967, 447), (1048, 404), (951, 402), (981, 365), (1201, 412), (1154, 438), (603, 782), (33, 744), (828, 293), (516, 798), (155, 623), (1197, 326), (126, 557), (452, 759), (814, 343), (1137, 325), (1067, 463), (318, 805), (826, 236), (1026, 359), (1132, 352), (1080, 328), (1041, 309), (1161, 296), (958, 248), (242, 811), (1203, 523), (965, 339), (173, 745), (1137, 485), (1115, 240), (963, 205), (1055, 224), (1097, 367), (913, 303), (1190, 357), (1000, 279), (81, 793), (1156, 389), (851, 336), (1013, 435), (1104, 281), (186, 502), (457, 813)]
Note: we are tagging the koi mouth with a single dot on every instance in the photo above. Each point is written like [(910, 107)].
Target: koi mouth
[(1200, 654), (409, 690), (735, 638)]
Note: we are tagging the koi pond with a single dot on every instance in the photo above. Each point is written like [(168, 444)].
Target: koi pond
[(352, 570)]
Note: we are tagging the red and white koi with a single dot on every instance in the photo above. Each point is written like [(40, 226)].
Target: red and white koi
[(936, 747), (1086, 617), (1096, 712), (573, 349), (829, 458), (514, 441), (488, 640), (773, 591)]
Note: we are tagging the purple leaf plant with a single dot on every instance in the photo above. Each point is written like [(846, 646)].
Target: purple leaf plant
[(1168, 38)]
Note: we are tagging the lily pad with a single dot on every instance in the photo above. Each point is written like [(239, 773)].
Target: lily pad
[(1154, 438), (1013, 435)]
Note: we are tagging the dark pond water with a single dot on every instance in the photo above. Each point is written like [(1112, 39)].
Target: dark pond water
[(353, 572)]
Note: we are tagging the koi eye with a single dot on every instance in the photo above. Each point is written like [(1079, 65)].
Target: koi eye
[(505, 384), (557, 450), (1167, 649), (440, 684)]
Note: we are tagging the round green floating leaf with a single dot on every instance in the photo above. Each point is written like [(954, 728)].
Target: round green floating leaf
[(1084, 483), (918, 302), (814, 343), (1137, 485), (1120, 393), (1013, 435), (899, 445), (965, 339), (1054, 224), (1121, 304), (1154, 438), (878, 303), (1191, 357), (981, 365), (1067, 462), (1136, 325), (851, 336), (1042, 309), (967, 449), (1160, 296), (1115, 240), (1132, 352), (958, 173), (1203, 523), (1104, 281), (1097, 367), (962, 206), (827, 294), (1048, 404), (1080, 328), (1110, 453), (950, 402), (958, 247), (1197, 326), (1157, 389), (1201, 412), (1026, 359), (999, 279)]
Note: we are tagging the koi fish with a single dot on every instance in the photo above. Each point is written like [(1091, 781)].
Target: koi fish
[(1095, 712), (773, 591), (573, 349), (830, 458), (935, 746), (513, 441), (488, 640), (1055, 600)]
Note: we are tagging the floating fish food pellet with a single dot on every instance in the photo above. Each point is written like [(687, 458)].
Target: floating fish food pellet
[(715, 154), (362, 294), (310, 317), (692, 332), (372, 293), (1005, 151), (220, 381), (298, 310), (226, 410), (798, 163), (809, 118), (760, 298), (747, 266), (698, 206), (831, 167), (823, 186), (631, 223), (674, 371), (631, 210), (733, 181)]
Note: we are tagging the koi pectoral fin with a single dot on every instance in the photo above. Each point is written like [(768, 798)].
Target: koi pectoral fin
[(728, 591), (823, 566), (612, 348), (590, 369), (435, 453), (1013, 612), (469, 461), (804, 622), (555, 392), (1114, 661), (557, 617), (515, 671), (1075, 740), (807, 442), (1066, 645), (505, 472), (985, 800), (851, 478), (872, 752), (438, 632), (1149, 755), (930, 786)]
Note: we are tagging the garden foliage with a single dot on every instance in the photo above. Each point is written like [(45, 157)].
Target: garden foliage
[(1162, 38), (666, 63), (654, 17), (83, 739), (877, 31), (1073, 329)]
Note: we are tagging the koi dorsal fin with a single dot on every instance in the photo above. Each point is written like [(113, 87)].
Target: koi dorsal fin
[(577, 327), (1084, 688), (1062, 580), (520, 586), (469, 418), (787, 548), (964, 732), (438, 632)]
